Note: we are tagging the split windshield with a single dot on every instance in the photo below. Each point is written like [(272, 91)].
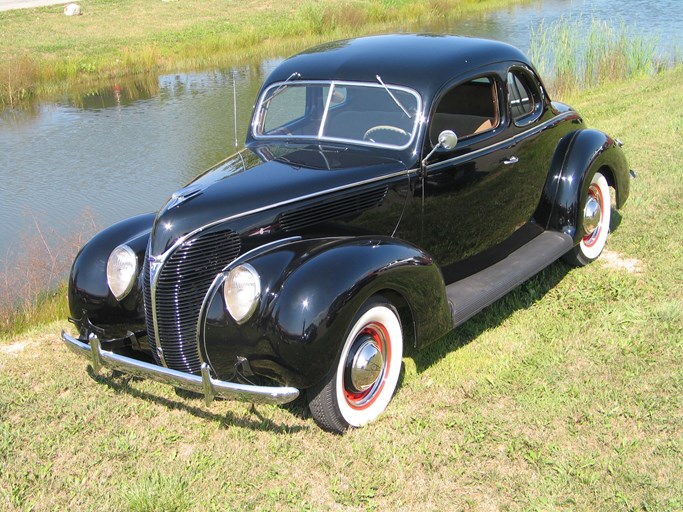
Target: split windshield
[(360, 113)]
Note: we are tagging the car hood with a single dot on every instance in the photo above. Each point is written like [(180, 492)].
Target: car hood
[(263, 177)]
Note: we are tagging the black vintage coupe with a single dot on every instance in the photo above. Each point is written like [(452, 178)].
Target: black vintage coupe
[(390, 188)]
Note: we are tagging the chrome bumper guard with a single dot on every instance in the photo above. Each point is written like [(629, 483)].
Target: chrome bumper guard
[(203, 384)]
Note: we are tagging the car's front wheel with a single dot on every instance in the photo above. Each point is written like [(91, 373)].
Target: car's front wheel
[(596, 215), (364, 378)]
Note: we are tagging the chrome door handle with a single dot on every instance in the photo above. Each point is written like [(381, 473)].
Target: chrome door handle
[(511, 160)]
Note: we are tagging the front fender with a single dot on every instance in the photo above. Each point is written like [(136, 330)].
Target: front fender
[(89, 296), (311, 291), (578, 156)]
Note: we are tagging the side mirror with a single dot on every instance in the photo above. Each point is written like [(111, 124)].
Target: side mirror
[(447, 140)]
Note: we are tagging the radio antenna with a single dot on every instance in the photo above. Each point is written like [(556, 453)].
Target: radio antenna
[(234, 111), (234, 106)]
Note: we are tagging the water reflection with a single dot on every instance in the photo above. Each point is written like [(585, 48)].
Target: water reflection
[(119, 94)]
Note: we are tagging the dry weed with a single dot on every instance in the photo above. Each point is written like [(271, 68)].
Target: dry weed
[(34, 267)]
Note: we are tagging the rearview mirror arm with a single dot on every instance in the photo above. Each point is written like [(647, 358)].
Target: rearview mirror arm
[(447, 140)]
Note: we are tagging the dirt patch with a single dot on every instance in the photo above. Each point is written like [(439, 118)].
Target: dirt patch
[(14, 348), (20, 345), (616, 261)]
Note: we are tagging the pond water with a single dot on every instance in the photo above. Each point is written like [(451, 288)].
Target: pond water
[(123, 150)]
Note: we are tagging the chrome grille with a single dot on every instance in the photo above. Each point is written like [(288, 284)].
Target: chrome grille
[(183, 281)]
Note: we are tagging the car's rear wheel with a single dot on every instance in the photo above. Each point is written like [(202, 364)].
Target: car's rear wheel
[(596, 215), (364, 378)]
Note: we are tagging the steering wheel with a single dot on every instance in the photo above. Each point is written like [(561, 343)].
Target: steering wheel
[(385, 127), (280, 131)]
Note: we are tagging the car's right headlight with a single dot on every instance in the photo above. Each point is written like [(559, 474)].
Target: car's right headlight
[(241, 290), (122, 268)]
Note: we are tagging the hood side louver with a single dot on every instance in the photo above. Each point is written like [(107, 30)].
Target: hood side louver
[(322, 211)]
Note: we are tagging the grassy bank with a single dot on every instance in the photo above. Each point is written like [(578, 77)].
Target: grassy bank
[(566, 394), (43, 52)]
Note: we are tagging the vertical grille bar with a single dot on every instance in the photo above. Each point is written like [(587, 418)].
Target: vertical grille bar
[(149, 318)]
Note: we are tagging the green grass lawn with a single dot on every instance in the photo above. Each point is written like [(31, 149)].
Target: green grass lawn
[(565, 395)]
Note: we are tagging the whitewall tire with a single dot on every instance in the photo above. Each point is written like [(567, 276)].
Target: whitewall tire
[(596, 214), (364, 378)]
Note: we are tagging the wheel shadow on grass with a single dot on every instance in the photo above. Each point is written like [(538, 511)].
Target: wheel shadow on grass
[(121, 383), (615, 221), (522, 297)]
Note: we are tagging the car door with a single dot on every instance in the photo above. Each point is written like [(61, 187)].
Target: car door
[(463, 191), (478, 198)]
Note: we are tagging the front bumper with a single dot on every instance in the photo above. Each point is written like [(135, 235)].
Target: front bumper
[(203, 384)]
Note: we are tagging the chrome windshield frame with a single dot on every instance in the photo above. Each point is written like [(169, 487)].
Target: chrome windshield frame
[(258, 117)]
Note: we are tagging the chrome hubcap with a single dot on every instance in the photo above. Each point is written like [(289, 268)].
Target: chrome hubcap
[(592, 213), (364, 365)]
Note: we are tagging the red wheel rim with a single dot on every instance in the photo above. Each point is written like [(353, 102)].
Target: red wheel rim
[(364, 399), (591, 238)]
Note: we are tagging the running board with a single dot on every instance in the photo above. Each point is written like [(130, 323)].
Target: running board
[(469, 296)]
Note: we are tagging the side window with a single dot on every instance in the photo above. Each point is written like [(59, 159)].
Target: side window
[(467, 109), (523, 96)]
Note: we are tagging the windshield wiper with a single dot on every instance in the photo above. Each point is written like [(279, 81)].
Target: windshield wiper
[(283, 85), (379, 79)]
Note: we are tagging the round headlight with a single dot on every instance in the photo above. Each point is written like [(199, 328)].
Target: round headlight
[(241, 291), (122, 267)]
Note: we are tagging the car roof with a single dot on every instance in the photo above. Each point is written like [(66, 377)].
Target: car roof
[(424, 62)]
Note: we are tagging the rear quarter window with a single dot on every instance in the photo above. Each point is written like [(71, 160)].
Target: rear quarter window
[(524, 97)]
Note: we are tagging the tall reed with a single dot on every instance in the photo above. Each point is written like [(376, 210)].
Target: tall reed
[(574, 54), (18, 77)]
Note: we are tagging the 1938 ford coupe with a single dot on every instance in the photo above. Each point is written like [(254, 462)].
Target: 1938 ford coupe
[(390, 188)]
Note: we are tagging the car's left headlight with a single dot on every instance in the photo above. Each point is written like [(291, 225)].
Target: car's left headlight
[(122, 267), (241, 290)]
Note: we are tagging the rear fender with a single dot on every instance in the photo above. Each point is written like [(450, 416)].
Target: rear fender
[(578, 157), (311, 290)]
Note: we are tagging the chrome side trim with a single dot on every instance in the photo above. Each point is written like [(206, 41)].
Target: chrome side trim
[(503, 143), (163, 257), (206, 385)]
